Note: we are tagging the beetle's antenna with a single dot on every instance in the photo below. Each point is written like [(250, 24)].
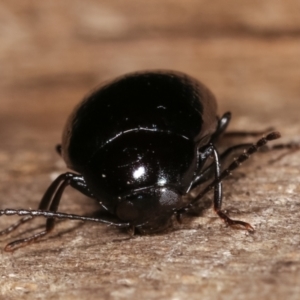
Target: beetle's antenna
[(57, 215), (236, 163), (236, 134), (49, 215)]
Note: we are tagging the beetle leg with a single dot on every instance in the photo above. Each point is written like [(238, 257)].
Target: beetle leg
[(44, 205), (76, 181), (218, 195), (199, 176), (15, 225), (219, 176), (51, 198), (50, 215), (234, 151), (203, 176), (208, 172)]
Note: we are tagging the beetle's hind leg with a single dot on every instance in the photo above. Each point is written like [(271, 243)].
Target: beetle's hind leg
[(50, 200)]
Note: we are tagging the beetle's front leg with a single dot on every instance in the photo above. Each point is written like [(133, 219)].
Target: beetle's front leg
[(50, 200), (47, 199), (74, 180), (202, 158), (217, 182), (217, 185), (218, 195)]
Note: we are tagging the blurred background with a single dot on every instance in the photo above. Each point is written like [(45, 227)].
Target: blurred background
[(52, 53)]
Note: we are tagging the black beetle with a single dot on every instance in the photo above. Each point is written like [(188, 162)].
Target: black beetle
[(140, 145)]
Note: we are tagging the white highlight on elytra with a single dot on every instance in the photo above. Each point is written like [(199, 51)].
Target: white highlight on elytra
[(139, 172)]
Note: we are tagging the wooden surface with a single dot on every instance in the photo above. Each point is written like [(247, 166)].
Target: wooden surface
[(248, 53)]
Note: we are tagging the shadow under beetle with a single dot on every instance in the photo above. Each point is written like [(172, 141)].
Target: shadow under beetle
[(140, 146)]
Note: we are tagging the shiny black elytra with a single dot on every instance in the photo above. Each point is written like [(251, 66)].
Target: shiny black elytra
[(140, 146)]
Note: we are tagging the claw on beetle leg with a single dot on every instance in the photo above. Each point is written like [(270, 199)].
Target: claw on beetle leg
[(234, 223)]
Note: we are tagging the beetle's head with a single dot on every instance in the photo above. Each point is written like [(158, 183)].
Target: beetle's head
[(149, 209)]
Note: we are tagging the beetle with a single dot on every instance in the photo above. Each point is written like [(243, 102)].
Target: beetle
[(140, 145)]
